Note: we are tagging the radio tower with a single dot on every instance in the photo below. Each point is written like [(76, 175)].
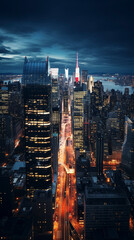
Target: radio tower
[(77, 71)]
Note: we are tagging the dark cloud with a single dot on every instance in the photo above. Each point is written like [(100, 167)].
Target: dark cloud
[(101, 31), (7, 50), (5, 58), (4, 49)]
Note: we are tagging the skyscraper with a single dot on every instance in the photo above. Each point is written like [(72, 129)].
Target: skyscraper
[(36, 72), (37, 100), (77, 71), (37, 108), (78, 117), (97, 98)]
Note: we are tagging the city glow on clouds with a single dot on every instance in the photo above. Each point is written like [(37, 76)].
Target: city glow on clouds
[(101, 32), (35, 44)]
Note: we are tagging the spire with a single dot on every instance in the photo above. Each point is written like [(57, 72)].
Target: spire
[(77, 73), (48, 65), (77, 61)]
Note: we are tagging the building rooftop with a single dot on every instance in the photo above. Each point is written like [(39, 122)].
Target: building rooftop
[(18, 165), (36, 72), (103, 193)]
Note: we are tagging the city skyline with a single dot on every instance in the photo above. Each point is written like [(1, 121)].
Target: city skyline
[(67, 120), (66, 162), (102, 33)]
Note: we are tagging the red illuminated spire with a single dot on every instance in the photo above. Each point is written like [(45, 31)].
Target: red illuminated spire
[(77, 74), (77, 61)]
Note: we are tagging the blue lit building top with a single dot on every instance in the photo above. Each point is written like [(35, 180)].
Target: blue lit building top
[(36, 72)]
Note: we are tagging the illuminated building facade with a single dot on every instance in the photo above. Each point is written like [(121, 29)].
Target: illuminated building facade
[(4, 99), (78, 117), (5, 123), (55, 92), (77, 71), (66, 73), (56, 119), (54, 72), (128, 146), (93, 131), (37, 100), (90, 84), (10, 118)]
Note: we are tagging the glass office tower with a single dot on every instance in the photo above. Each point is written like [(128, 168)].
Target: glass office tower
[(37, 101), (78, 117), (37, 109)]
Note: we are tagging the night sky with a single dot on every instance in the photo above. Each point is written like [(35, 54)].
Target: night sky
[(102, 31)]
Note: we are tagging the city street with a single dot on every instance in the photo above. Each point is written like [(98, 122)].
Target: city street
[(66, 190)]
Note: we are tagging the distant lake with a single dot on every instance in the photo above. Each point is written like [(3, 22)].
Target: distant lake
[(108, 85)]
